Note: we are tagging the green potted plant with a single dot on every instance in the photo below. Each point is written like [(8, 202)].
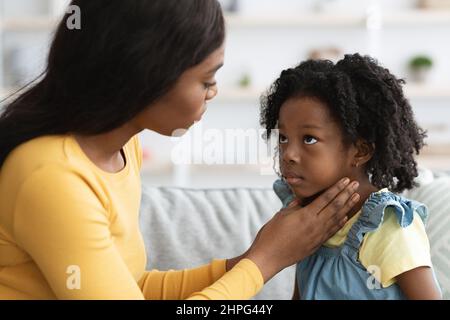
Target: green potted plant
[(245, 81), (420, 66)]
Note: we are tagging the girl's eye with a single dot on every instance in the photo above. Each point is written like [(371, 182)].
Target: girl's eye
[(309, 140), (282, 139)]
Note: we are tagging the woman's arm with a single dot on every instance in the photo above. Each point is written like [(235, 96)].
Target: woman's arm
[(419, 284), (180, 284)]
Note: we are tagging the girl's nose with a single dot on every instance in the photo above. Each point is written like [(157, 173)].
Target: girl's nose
[(291, 154)]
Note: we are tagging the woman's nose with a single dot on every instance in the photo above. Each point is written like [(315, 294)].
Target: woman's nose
[(212, 92)]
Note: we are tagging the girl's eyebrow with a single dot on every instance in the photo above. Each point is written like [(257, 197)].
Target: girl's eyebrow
[(305, 126), (311, 126)]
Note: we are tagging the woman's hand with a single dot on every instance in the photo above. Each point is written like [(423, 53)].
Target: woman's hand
[(295, 233)]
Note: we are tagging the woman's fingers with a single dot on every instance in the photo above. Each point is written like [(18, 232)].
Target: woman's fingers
[(293, 233), (334, 222), (338, 208), (319, 204)]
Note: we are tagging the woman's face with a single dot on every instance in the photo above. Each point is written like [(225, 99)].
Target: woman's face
[(186, 101), (312, 153)]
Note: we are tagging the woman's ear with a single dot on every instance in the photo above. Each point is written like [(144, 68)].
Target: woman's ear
[(363, 152)]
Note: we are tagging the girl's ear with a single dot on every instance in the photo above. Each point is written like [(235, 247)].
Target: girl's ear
[(364, 152)]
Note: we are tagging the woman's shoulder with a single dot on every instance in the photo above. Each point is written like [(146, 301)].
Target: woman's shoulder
[(39, 146), (33, 165), (37, 153), (46, 157)]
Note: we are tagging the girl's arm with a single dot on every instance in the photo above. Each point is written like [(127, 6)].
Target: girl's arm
[(419, 284)]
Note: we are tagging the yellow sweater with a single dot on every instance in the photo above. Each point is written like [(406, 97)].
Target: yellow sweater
[(69, 230)]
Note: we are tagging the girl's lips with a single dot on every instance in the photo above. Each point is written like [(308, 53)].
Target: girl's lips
[(294, 181)]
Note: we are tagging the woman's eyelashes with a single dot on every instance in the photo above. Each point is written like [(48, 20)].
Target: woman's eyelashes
[(209, 85), (309, 140)]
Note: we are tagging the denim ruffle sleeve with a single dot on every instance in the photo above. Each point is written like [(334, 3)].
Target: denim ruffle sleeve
[(373, 210), (283, 191)]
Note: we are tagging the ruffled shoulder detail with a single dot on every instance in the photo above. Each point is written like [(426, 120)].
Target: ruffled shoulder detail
[(283, 191), (373, 210), (375, 206)]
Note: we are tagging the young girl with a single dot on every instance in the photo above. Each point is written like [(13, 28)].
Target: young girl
[(351, 119)]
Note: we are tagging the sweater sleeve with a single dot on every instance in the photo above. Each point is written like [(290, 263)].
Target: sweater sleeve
[(209, 282)]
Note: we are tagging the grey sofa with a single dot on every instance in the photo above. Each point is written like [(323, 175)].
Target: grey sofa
[(184, 228)]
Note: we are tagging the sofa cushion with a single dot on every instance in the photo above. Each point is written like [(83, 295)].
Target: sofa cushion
[(436, 195)]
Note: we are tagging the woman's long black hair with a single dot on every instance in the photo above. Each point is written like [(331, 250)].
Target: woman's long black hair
[(127, 54)]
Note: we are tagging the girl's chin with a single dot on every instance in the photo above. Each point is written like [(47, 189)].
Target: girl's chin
[(306, 196), (303, 193)]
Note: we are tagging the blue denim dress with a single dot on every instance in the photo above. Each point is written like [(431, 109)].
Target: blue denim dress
[(336, 273)]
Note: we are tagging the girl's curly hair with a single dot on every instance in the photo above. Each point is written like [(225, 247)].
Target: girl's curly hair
[(368, 102)]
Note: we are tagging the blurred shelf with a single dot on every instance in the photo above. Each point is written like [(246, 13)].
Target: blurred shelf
[(252, 95), (427, 91), (161, 167), (418, 18), (437, 163), (237, 95), (437, 150), (435, 157), (407, 18), (304, 20), (210, 176), (28, 24)]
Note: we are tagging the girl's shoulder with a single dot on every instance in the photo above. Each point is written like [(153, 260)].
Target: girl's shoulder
[(384, 201), (392, 235)]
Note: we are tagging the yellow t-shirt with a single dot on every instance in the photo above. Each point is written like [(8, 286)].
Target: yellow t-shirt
[(69, 230), (392, 248)]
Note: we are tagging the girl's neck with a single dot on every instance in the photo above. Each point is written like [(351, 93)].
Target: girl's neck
[(364, 190)]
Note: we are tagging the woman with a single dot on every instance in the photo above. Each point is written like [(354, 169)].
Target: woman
[(70, 159)]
